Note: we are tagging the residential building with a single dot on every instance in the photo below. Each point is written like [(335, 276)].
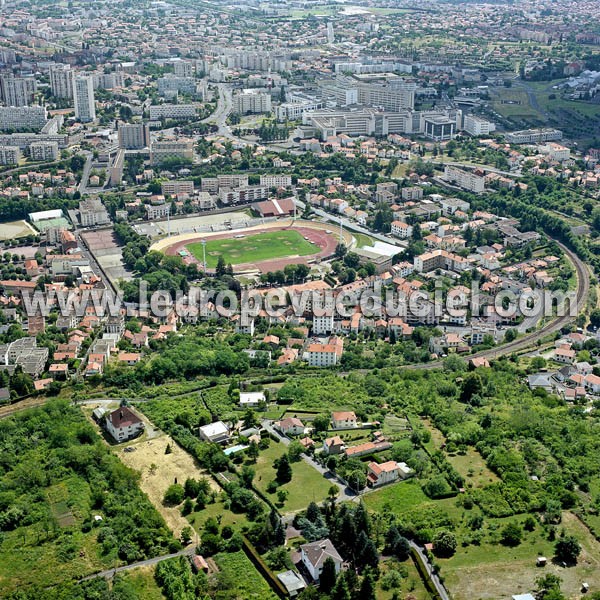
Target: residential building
[(333, 445), (22, 118), (9, 155), (401, 230), (93, 213), (216, 432), (17, 91), (343, 420), (291, 426), (171, 148), (43, 151), (323, 324), (251, 399), (467, 180), (134, 136), (61, 81), (171, 85), (387, 472), (251, 101), (243, 195), (314, 555), (123, 424), (325, 355), (172, 111), (83, 96)]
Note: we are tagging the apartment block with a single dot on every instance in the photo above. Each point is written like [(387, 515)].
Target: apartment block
[(251, 101), (9, 155), (167, 149), (93, 213), (61, 81), (20, 118), (411, 194), (172, 111), (534, 136), (83, 95), (134, 136), (17, 91), (174, 188), (465, 179), (243, 195), (276, 180), (42, 151)]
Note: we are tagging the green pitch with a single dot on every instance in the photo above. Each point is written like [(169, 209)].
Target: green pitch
[(254, 248)]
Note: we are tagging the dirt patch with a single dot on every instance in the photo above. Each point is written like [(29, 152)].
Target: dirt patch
[(159, 470)]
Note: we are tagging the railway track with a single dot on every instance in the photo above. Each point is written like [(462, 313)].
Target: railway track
[(529, 340)]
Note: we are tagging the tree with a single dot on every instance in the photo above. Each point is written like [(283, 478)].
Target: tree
[(174, 495), (320, 423), (567, 549), (444, 544), (357, 480), (282, 495), (328, 576), (284, 469), (246, 476), (512, 534), (367, 587), (221, 266), (340, 250), (186, 535), (472, 385)]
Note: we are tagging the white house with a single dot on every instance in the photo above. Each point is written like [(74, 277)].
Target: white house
[(343, 420), (291, 426), (314, 555), (387, 472), (251, 399), (592, 383), (564, 355), (123, 424), (401, 229), (216, 432)]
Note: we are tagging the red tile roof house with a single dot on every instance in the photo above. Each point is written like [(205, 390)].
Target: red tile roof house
[(291, 426), (343, 420), (123, 424)]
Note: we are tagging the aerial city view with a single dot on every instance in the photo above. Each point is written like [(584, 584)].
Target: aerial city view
[(299, 299)]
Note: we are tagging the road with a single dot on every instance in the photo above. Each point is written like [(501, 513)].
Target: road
[(109, 573), (439, 586)]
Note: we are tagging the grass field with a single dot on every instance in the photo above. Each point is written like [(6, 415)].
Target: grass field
[(143, 583), (254, 248), (239, 578), (307, 483)]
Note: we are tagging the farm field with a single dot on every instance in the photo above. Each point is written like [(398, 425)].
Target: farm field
[(253, 248)]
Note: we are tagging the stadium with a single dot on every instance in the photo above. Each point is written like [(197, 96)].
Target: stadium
[(259, 248)]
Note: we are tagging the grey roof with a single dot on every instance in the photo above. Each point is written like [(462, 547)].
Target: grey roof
[(318, 552), (539, 380), (292, 581)]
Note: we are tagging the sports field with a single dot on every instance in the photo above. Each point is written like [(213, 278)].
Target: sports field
[(253, 248)]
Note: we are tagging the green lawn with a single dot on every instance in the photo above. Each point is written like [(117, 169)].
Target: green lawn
[(254, 248), (239, 577), (362, 240), (142, 582), (307, 483)]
